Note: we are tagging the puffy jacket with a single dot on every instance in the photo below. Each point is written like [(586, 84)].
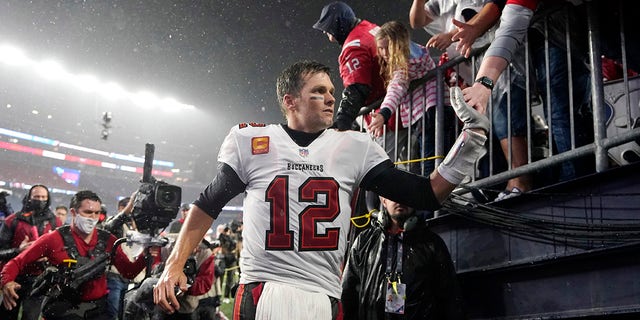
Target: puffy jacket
[(20, 225), (432, 290)]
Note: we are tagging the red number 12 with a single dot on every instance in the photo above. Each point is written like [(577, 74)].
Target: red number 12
[(280, 237)]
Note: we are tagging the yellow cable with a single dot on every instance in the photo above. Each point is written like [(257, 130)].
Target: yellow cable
[(419, 160), (364, 216)]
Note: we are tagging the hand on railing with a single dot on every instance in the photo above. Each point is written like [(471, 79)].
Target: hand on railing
[(376, 127)]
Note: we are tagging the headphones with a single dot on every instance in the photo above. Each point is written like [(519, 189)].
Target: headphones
[(384, 221)]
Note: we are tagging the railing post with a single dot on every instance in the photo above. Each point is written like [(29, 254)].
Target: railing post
[(597, 91), (439, 138)]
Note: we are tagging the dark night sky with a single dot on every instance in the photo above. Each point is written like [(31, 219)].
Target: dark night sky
[(220, 56)]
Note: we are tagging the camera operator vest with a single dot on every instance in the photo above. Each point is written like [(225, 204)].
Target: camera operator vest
[(72, 250), (61, 285)]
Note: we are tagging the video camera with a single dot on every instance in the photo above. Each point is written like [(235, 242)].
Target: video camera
[(156, 203)]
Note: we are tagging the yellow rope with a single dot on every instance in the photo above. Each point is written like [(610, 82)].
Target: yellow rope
[(364, 216), (231, 269), (367, 215), (419, 160)]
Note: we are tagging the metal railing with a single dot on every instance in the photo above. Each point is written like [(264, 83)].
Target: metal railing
[(629, 132)]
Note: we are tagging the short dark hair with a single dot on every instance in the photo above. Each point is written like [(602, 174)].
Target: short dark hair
[(62, 207), (77, 198), (291, 80), (124, 201)]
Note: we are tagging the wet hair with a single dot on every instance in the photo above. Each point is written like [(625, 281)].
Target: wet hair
[(399, 41), (291, 80), (77, 199)]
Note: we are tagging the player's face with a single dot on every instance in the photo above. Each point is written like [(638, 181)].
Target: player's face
[(383, 48), (312, 110)]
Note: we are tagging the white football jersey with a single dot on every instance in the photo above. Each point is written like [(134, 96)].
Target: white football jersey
[(298, 202)]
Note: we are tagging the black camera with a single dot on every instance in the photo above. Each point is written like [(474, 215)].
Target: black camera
[(156, 203), (155, 206)]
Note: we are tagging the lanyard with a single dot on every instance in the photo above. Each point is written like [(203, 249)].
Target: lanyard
[(394, 272)]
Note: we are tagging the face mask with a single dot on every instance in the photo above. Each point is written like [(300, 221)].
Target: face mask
[(37, 205), (84, 224)]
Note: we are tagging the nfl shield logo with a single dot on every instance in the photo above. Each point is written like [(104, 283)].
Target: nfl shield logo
[(303, 152)]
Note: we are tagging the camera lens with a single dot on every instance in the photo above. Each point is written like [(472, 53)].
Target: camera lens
[(168, 196)]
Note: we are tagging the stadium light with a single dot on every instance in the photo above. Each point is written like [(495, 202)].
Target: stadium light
[(13, 56), (52, 70)]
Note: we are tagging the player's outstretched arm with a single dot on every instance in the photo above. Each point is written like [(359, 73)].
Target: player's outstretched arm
[(424, 193), (193, 230), (461, 159)]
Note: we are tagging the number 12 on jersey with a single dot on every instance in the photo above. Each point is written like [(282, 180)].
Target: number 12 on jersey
[(280, 237)]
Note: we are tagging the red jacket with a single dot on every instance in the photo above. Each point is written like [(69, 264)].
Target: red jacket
[(359, 64), (22, 230), (204, 278), (51, 246)]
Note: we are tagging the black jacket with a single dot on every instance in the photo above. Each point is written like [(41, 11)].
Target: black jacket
[(428, 272)]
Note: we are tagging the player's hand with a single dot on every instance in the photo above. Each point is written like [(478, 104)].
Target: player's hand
[(466, 108), (164, 293), (10, 295), (376, 125)]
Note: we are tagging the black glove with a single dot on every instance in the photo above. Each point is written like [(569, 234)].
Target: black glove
[(343, 121), (353, 98)]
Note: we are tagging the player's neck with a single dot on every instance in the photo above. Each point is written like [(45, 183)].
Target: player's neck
[(301, 138)]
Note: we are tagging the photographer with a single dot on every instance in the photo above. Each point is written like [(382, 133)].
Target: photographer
[(5, 211), (175, 225), (200, 271), (33, 221), (79, 290), (209, 303), (119, 225), (229, 253)]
